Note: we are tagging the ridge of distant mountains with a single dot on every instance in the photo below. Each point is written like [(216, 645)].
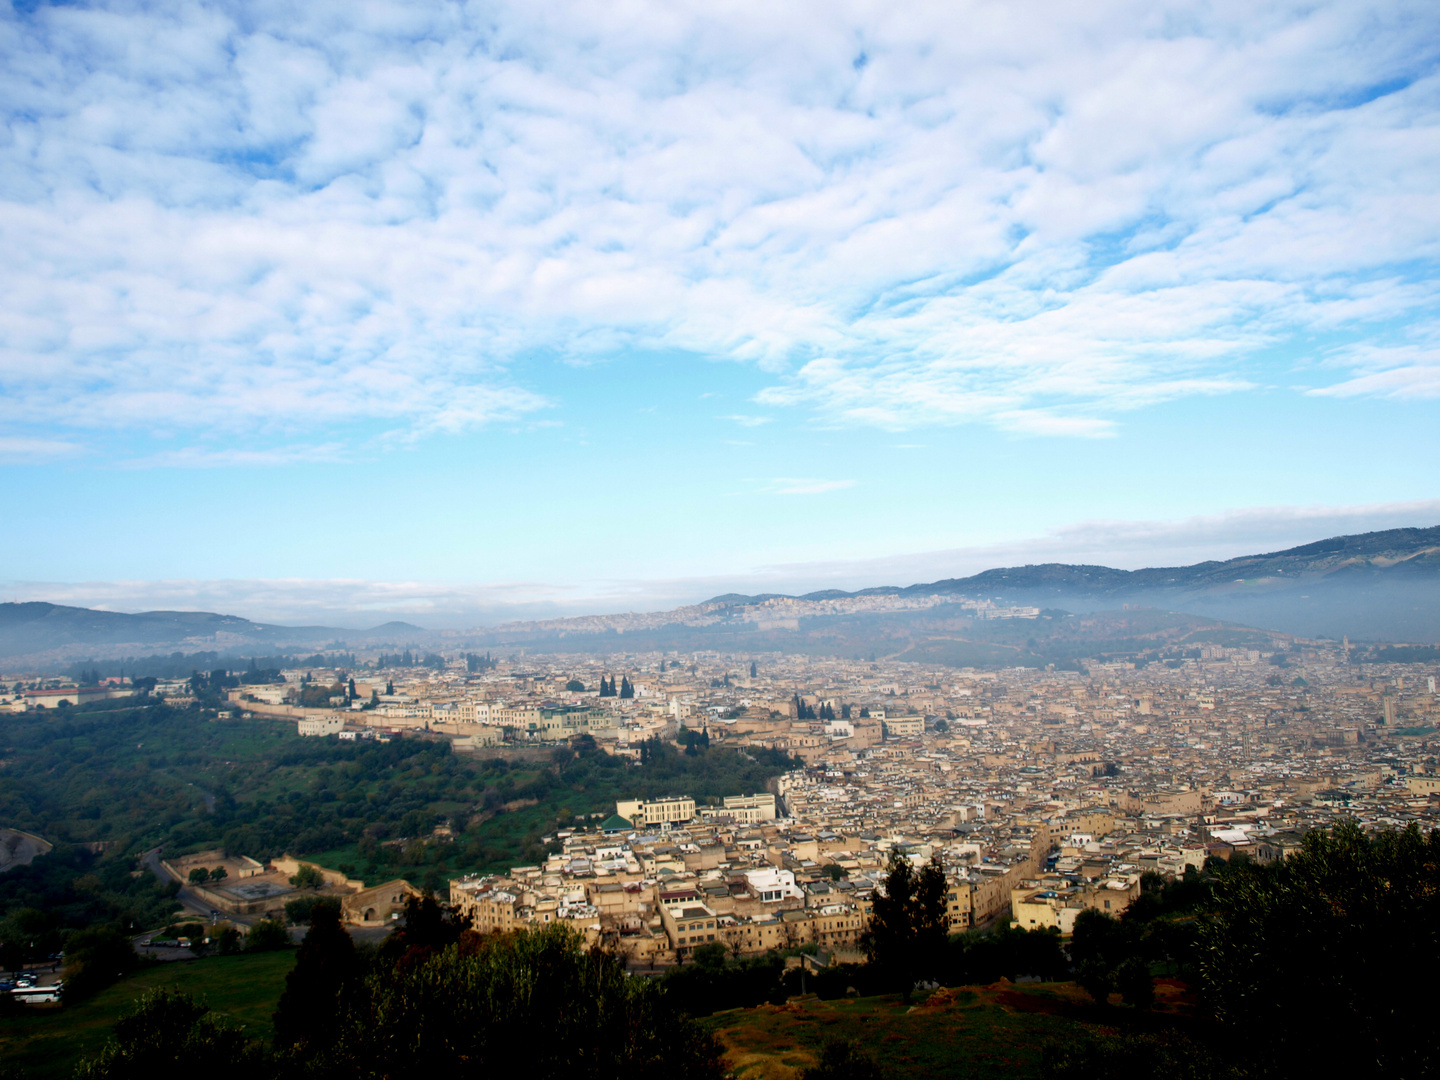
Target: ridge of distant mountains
[(1364, 557), (1382, 586), (1377, 586), (36, 627)]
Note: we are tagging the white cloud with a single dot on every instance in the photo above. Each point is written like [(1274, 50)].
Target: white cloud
[(1038, 217), (800, 486), (201, 457), (1405, 372), (19, 448)]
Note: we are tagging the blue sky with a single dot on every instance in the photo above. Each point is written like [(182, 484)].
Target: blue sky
[(457, 312)]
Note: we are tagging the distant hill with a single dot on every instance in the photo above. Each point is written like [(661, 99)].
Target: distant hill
[(1373, 587), (1380, 586), (35, 628)]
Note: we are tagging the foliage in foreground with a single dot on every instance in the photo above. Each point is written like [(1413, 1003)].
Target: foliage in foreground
[(1332, 954), (436, 999), (168, 1034), (1134, 1055)]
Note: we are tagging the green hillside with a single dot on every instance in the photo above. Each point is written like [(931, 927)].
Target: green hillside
[(45, 1044)]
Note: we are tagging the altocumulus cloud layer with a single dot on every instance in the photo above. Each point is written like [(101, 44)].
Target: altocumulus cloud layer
[(331, 223)]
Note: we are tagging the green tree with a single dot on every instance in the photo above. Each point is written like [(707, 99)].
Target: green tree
[(308, 877), (227, 940), (1132, 979), (95, 958), (301, 910), (1332, 954), (167, 1034), (535, 1003), (310, 1016), (199, 876), (218, 874), (575, 686), (267, 935), (1094, 947), (908, 924)]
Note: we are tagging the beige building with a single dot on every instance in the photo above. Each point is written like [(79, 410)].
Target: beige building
[(378, 904), (749, 809), (321, 725), (689, 925), (903, 727), (489, 906), (672, 811)]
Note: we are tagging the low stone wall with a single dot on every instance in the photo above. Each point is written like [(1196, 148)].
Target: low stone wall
[(290, 866)]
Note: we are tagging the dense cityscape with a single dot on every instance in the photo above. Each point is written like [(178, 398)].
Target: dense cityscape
[(1042, 793)]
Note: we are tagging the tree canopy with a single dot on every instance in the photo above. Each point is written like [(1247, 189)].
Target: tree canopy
[(1332, 953), (908, 925)]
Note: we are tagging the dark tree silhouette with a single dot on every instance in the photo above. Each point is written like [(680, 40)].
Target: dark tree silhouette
[(326, 972), (908, 925), (1332, 953)]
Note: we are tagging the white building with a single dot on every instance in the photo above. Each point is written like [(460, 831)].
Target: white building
[(771, 885), (322, 725)]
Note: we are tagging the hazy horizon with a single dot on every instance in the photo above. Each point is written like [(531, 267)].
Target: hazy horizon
[(452, 606)]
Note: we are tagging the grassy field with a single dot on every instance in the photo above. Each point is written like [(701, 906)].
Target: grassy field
[(45, 1044), (970, 1032)]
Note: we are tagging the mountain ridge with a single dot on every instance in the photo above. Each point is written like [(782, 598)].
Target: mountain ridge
[(37, 626), (1376, 586), (1413, 549)]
